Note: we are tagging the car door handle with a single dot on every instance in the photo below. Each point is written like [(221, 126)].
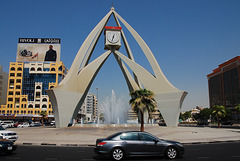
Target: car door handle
[(124, 142)]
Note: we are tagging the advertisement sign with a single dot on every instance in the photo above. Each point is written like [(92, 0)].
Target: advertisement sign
[(38, 49)]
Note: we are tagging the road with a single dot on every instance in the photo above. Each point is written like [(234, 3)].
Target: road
[(196, 152)]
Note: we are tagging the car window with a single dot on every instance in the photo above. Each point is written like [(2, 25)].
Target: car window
[(129, 136), (147, 137), (113, 136)]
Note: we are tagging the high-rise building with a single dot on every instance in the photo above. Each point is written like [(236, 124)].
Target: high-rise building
[(88, 111), (224, 84), (3, 86)]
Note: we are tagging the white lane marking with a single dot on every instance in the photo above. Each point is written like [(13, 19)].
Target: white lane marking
[(203, 157)]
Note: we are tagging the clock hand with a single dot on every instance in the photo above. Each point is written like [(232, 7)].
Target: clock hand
[(113, 37)]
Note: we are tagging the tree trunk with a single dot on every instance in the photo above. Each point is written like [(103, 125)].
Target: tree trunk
[(142, 121)]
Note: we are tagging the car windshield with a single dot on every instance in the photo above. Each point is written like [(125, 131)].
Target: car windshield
[(1, 128)]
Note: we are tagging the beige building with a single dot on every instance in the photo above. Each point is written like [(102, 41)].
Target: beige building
[(27, 85), (3, 86)]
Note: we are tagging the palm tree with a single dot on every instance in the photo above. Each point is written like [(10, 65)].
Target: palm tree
[(43, 114), (142, 100), (238, 108), (219, 112)]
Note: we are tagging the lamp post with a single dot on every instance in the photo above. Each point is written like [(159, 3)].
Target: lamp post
[(97, 108)]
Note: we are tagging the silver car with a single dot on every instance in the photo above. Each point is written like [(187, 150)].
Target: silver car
[(133, 143)]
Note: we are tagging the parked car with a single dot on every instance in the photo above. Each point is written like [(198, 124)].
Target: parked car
[(8, 135), (34, 124), (16, 124), (52, 123), (6, 146), (131, 143), (5, 126), (8, 123), (25, 124)]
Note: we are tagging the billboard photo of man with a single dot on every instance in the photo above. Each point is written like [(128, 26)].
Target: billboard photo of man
[(38, 50), (51, 55)]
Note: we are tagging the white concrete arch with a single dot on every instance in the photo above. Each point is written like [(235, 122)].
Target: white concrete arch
[(69, 95)]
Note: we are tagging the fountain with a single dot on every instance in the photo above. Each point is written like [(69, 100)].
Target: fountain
[(114, 110)]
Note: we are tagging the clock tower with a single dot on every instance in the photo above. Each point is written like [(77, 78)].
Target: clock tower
[(112, 38)]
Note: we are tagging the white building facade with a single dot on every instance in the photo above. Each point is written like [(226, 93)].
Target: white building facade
[(88, 112)]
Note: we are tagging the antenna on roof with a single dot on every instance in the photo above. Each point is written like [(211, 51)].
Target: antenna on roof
[(112, 8)]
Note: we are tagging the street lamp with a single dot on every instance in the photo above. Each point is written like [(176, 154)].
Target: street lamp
[(97, 108)]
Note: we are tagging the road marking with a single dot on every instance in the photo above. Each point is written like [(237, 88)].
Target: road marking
[(50, 158), (235, 156), (203, 158), (13, 158)]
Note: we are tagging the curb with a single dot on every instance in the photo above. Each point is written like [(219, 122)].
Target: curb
[(62, 145), (212, 142), (91, 145)]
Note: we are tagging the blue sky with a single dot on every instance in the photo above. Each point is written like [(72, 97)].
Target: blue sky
[(189, 38)]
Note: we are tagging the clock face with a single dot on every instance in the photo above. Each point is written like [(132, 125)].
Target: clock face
[(113, 37)]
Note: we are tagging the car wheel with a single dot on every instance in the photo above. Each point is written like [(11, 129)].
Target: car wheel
[(117, 154), (171, 153)]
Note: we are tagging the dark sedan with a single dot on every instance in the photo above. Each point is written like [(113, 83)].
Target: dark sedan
[(132, 143), (6, 146)]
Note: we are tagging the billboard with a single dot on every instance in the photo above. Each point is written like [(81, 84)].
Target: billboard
[(38, 49)]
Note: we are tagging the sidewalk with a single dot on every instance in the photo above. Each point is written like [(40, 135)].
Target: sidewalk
[(86, 136)]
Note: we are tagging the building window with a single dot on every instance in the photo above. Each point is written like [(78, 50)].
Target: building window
[(18, 80), (32, 69), (39, 69), (44, 100), (12, 74), (17, 100), (30, 106), (38, 87), (12, 69), (24, 100), (53, 69), (38, 95), (60, 68), (19, 69), (19, 74), (10, 99), (18, 87)]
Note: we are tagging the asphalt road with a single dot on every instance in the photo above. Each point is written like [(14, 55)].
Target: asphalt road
[(197, 152)]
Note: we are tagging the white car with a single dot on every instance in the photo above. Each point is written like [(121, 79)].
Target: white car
[(25, 124), (4, 125), (8, 135), (9, 123)]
